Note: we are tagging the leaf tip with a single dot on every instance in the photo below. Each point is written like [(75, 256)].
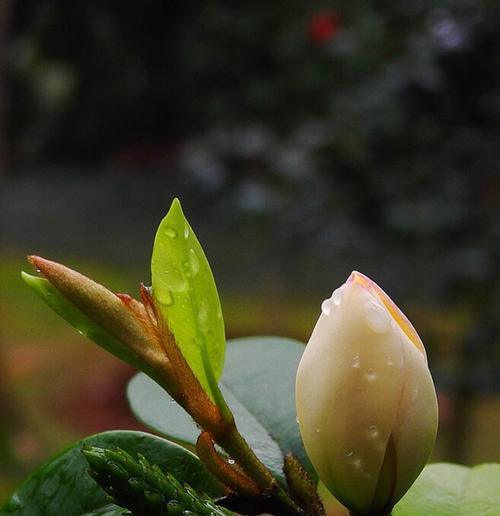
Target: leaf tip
[(175, 209), (27, 278)]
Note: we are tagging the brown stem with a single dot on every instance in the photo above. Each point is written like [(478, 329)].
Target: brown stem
[(237, 448), (231, 475)]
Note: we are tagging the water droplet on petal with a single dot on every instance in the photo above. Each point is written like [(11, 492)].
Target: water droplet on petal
[(377, 317), (326, 306), (318, 430), (371, 374), (170, 232), (349, 454), (337, 296), (390, 362), (356, 361), (373, 431), (414, 395), (194, 262)]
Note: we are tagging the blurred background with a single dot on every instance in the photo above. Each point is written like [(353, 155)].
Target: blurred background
[(304, 142)]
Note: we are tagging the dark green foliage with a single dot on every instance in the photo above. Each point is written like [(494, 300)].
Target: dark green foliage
[(144, 488), (62, 486), (259, 392)]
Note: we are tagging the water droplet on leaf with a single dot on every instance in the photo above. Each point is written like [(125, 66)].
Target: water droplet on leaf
[(173, 280), (203, 315), (194, 262), (170, 232), (165, 297)]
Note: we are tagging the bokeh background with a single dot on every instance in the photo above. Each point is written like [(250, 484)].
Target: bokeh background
[(305, 140)]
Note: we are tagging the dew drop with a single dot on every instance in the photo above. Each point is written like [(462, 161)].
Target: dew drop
[(81, 332), (356, 361), (377, 318), (165, 297), (373, 432), (219, 313), (337, 297), (170, 232), (349, 454), (298, 421), (318, 430), (326, 306), (371, 374), (390, 362), (203, 315), (414, 395), (194, 262), (186, 231), (173, 280), (231, 461), (357, 463)]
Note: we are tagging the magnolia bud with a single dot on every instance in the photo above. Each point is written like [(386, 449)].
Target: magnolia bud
[(366, 403)]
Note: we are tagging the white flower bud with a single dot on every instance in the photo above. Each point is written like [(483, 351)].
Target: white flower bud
[(366, 403)]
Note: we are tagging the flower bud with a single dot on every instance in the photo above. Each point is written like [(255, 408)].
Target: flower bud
[(366, 403)]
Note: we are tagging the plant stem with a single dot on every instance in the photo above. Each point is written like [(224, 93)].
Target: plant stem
[(236, 446)]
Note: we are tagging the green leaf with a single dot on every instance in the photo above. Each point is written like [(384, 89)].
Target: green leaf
[(259, 386), (62, 486), (84, 324), (453, 490), (144, 488), (185, 291), (109, 510)]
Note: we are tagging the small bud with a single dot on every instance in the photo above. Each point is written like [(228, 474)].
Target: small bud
[(121, 316), (130, 330), (366, 403)]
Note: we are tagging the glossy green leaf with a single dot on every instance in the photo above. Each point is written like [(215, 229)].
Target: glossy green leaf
[(185, 292), (81, 322), (259, 386), (109, 510), (63, 487), (155, 408), (453, 490)]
